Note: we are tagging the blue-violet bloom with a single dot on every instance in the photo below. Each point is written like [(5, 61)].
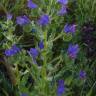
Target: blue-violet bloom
[(44, 20), (64, 2), (22, 20), (12, 51), (60, 88), (73, 51), (63, 10), (70, 28), (82, 74), (15, 48), (31, 5), (9, 16), (34, 52), (24, 94), (41, 45)]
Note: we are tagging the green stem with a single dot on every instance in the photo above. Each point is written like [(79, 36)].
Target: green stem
[(43, 71), (10, 71), (45, 53), (56, 38), (93, 6), (55, 59)]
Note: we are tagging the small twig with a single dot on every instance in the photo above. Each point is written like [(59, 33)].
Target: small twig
[(10, 72), (56, 66), (54, 60), (4, 9), (6, 94), (59, 36)]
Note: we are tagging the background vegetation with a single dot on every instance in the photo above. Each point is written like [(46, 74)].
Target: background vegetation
[(19, 76)]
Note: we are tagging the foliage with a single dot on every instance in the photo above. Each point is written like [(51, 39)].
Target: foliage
[(37, 69)]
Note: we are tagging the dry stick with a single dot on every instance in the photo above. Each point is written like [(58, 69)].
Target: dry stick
[(10, 72), (3, 8), (56, 66)]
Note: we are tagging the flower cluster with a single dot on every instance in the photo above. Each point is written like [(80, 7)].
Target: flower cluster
[(22, 20), (63, 9), (61, 88), (34, 52), (70, 28), (12, 51)]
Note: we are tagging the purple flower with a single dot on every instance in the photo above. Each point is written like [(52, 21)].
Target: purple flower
[(64, 2), (31, 4), (70, 28), (12, 51), (22, 20), (9, 52), (9, 16), (44, 20), (60, 88), (15, 48), (41, 45), (34, 52), (73, 51), (24, 94), (63, 10), (82, 74)]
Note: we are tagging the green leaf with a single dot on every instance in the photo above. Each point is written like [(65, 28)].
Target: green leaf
[(68, 80), (67, 37), (27, 28), (89, 93)]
